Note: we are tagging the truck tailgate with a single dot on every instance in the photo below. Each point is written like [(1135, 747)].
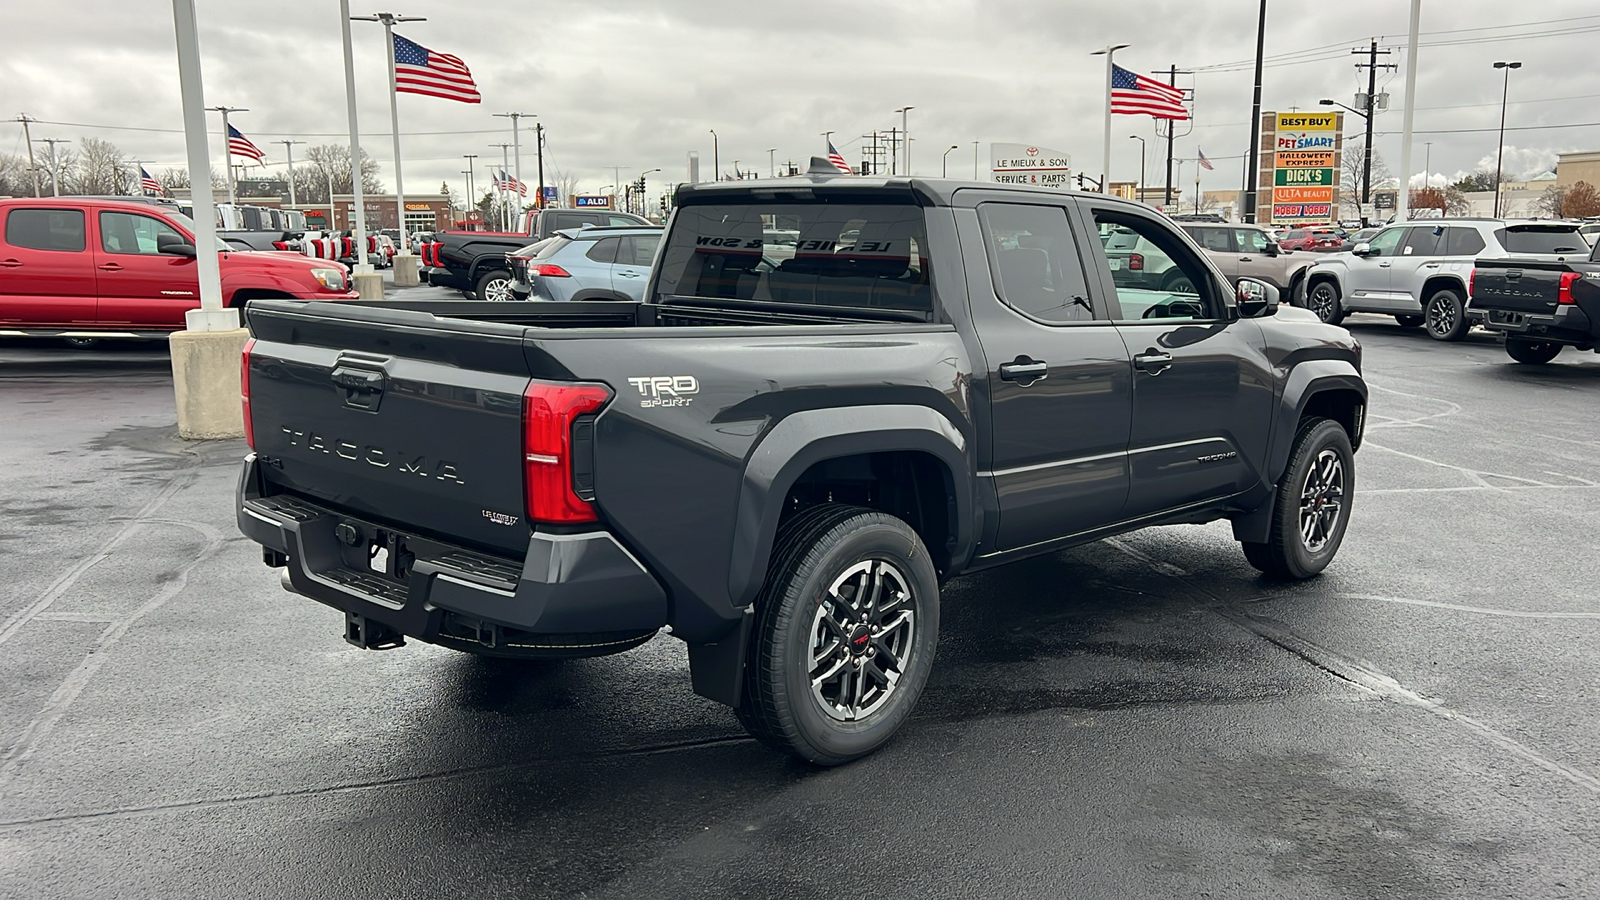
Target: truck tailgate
[(1517, 286), (401, 417)]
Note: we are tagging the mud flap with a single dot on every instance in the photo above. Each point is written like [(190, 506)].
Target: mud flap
[(716, 669)]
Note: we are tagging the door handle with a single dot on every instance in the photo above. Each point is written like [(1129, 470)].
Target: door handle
[(1024, 370), (1430, 265), (110, 267), (1383, 265), (629, 274), (1153, 361), (11, 264)]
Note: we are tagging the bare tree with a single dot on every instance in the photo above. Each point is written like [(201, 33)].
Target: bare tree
[(15, 180), (326, 162), (566, 185), (1551, 201), (1353, 164), (101, 168)]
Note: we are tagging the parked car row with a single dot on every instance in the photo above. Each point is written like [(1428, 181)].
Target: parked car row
[(1240, 251)]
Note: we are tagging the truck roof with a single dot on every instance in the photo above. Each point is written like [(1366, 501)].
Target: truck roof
[(932, 191)]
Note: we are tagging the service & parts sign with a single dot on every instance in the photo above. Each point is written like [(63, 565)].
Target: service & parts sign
[(1029, 164)]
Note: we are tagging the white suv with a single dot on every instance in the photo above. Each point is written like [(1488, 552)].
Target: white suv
[(1419, 272)]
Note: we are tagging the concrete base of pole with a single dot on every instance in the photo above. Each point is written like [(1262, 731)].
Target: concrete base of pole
[(369, 285), (205, 378), (406, 268)]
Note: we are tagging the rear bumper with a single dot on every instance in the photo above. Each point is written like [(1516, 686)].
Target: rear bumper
[(1567, 325), (572, 594)]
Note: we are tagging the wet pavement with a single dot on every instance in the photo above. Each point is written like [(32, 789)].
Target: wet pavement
[(1140, 717)]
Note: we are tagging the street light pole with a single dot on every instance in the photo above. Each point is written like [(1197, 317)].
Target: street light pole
[(55, 184), (1139, 193), (1105, 153), (1500, 153), (944, 161), (974, 160), (716, 164), (516, 144), (472, 189), (906, 131), (288, 149)]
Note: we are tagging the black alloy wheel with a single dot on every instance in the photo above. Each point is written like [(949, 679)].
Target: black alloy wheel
[(495, 287), (1323, 299), (1312, 507), (844, 635), (1446, 316), (1178, 284), (1532, 353)]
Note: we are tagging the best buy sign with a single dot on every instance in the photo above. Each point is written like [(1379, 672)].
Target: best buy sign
[(1303, 177)]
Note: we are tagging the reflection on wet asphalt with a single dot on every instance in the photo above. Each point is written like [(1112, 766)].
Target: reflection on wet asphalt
[(1140, 717)]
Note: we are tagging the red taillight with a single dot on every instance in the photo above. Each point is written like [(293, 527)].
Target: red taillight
[(280, 245), (1564, 294), (1472, 284), (549, 271), (244, 392), (1135, 262), (548, 413)]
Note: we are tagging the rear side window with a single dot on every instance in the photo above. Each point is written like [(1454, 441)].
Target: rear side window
[(1037, 270), (1214, 239), (1536, 239), (853, 255), (639, 250), (46, 229), (1423, 241), (604, 250), (1462, 242)]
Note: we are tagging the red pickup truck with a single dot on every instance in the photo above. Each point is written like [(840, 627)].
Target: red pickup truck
[(84, 268)]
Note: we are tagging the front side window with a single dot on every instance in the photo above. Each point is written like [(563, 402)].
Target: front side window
[(1386, 242), (638, 250), (1037, 270), (854, 255), (1250, 240), (1166, 280), (46, 229), (122, 232)]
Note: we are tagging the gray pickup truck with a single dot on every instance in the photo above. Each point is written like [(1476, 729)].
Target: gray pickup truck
[(780, 458), (1539, 305)]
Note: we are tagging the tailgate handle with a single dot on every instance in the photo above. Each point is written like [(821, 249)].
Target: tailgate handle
[(363, 388)]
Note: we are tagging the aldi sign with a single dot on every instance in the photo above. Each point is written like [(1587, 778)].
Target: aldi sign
[(591, 201)]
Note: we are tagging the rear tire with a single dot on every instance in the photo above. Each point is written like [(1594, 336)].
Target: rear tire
[(844, 635), (81, 343), (1532, 353), (1409, 321), (1446, 316), (1312, 505), (1323, 299), (495, 287)]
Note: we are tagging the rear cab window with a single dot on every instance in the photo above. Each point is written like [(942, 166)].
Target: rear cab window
[(47, 229), (1541, 239), (864, 255)]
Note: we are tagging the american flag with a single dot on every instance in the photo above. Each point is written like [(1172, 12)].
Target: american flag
[(837, 160), (418, 70), (1133, 94), (511, 183), (239, 145), (1205, 163), (148, 184)]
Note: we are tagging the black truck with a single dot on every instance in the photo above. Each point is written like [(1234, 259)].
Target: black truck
[(1539, 306), (474, 262), (780, 460)]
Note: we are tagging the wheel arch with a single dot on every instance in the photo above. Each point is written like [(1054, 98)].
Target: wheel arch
[(1328, 388), (1436, 283), (902, 456), (244, 295)]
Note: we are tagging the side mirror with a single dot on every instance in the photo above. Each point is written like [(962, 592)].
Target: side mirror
[(1255, 298), (1273, 249), (174, 245), (1363, 249)]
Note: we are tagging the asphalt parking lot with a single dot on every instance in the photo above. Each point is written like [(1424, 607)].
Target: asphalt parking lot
[(1140, 717)]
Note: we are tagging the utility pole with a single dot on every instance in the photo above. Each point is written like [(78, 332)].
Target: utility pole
[(894, 149), (1172, 79), (55, 182), (288, 148), (137, 188), (33, 168), (227, 156), (1252, 174), (1372, 66), (538, 134), (869, 167), (505, 211), (516, 143)]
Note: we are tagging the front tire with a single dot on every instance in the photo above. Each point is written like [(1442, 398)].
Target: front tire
[(1312, 506), (1532, 353), (495, 287), (1446, 316), (844, 635), (1323, 299)]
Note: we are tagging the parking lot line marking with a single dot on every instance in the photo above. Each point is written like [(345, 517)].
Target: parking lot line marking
[(1478, 476), (1480, 610)]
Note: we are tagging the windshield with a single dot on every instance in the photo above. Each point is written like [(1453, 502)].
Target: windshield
[(188, 225), (1541, 239), (820, 254)]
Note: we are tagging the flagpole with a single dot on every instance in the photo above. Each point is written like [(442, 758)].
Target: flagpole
[(355, 143), (388, 20), (1105, 153)]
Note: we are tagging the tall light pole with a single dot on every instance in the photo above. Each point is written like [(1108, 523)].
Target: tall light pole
[(974, 160), (641, 187), (288, 149), (772, 162), (1404, 200), (1252, 175), (55, 183), (1366, 158), (1105, 153), (472, 191), (363, 265), (516, 144), (1427, 163), (1139, 192), (944, 161), (905, 130), (505, 211), (1500, 153), (389, 20), (227, 154), (716, 164)]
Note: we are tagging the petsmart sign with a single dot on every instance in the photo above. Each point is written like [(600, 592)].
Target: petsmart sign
[(1299, 177), (1030, 165)]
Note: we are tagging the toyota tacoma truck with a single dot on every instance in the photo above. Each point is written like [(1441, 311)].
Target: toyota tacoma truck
[(1539, 305), (780, 461)]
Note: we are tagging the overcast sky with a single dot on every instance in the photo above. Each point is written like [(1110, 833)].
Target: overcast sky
[(638, 83)]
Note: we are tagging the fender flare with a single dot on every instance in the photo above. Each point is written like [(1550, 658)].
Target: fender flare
[(480, 266), (1313, 273), (1307, 379), (805, 438)]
